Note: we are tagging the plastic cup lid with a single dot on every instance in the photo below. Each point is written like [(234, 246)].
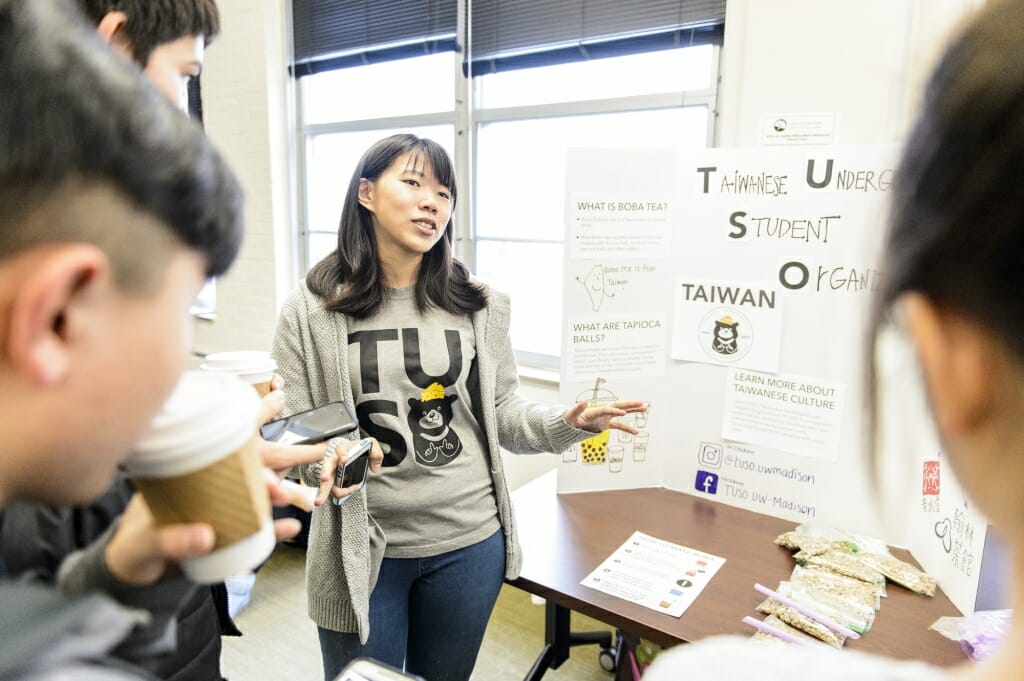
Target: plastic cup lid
[(207, 416), (253, 377), (239, 361)]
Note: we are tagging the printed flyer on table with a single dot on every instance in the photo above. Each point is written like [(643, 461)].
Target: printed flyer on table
[(656, 574)]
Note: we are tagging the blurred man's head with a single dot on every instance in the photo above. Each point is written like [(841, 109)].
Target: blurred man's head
[(113, 210), (166, 38)]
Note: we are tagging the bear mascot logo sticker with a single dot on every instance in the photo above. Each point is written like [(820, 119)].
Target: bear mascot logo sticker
[(433, 441), (726, 336)]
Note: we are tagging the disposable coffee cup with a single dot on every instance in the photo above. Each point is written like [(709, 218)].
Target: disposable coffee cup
[(255, 367), (200, 462)]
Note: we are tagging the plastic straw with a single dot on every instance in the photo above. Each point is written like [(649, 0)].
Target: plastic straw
[(778, 633), (834, 626)]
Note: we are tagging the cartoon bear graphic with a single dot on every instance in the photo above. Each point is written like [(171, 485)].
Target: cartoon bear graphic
[(726, 336), (433, 441)]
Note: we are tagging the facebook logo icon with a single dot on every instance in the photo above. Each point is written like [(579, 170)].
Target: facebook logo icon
[(706, 482)]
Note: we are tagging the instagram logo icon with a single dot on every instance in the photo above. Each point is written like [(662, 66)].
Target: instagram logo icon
[(710, 455)]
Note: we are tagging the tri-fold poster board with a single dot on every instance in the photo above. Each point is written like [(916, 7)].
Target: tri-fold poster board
[(730, 289)]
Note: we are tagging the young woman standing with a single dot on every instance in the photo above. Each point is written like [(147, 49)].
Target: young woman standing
[(392, 324)]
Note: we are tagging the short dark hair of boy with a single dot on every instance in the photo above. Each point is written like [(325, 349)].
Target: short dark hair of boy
[(152, 23), (75, 117)]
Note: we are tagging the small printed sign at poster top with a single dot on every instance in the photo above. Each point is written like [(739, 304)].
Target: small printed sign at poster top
[(799, 129)]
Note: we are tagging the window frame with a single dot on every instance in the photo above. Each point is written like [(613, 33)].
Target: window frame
[(307, 132), (465, 117)]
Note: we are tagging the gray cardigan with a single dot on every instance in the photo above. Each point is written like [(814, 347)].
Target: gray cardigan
[(346, 545)]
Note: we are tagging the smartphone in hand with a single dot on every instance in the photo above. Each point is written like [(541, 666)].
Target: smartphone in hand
[(310, 427), (365, 669), (355, 470)]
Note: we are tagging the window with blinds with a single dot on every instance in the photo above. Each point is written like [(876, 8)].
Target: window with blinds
[(524, 33), (535, 77), (331, 34)]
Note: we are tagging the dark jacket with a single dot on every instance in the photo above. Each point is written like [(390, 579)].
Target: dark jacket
[(46, 635), (35, 540)]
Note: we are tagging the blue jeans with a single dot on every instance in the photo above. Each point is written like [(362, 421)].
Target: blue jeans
[(427, 615)]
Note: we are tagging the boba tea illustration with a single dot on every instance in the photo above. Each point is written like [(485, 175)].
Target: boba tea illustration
[(594, 450)]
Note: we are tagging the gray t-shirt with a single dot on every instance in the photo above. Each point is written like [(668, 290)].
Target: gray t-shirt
[(415, 384)]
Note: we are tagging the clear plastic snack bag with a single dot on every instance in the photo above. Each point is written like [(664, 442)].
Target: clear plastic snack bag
[(854, 542), (901, 572), (844, 599), (849, 564), (791, 635), (979, 634), (801, 621), (808, 545), (847, 612)]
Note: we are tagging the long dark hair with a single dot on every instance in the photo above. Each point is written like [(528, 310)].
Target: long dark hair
[(350, 279), (956, 233)]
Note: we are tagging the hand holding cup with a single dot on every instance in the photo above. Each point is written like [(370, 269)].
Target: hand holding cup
[(201, 463)]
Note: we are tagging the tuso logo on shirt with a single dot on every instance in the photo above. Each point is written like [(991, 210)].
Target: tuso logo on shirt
[(429, 419), (434, 442)]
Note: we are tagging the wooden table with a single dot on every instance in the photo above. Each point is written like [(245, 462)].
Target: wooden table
[(564, 537)]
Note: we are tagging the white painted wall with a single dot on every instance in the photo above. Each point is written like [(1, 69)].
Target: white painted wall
[(866, 60), (246, 104)]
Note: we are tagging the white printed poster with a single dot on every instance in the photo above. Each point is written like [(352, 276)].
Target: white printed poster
[(789, 413), (759, 265), (729, 289), (619, 225), (729, 323), (654, 573), (945, 532), (614, 345), (620, 242)]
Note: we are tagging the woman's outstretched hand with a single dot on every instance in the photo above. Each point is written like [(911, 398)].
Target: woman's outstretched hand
[(600, 419)]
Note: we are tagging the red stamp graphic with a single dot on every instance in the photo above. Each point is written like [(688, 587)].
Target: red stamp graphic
[(930, 478)]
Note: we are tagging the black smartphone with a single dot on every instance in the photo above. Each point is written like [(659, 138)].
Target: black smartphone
[(354, 472), (309, 427), (365, 669)]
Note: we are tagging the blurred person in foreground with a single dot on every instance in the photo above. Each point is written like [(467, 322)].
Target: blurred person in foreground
[(166, 41), (113, 210)]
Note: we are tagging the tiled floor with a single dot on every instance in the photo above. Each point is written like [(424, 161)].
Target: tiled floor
[(280, 642)]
